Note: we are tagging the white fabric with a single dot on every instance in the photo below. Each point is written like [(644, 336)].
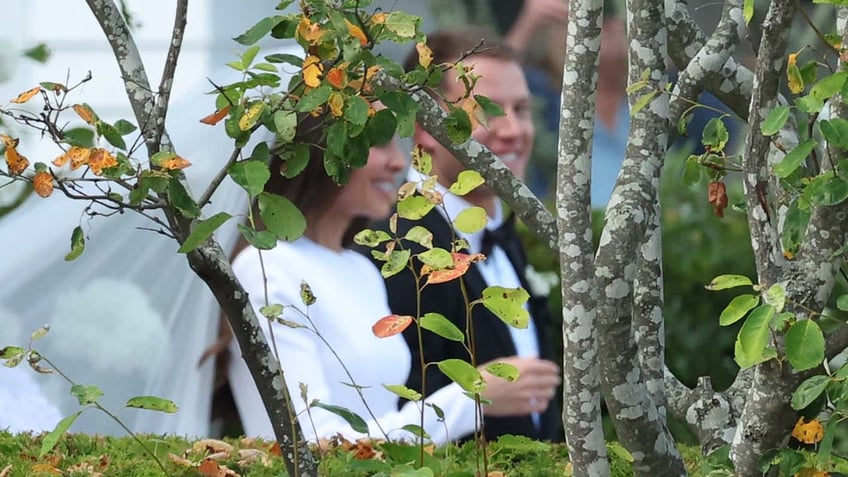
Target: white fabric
[(129, 315), (351, 297)]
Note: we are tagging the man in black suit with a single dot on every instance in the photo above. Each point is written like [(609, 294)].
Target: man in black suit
[(531, 408)]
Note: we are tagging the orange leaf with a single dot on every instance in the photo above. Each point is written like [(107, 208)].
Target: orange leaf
[(356, 32), (337, 78), (27, 95), (101, 159), (461, 262), (76, 155), (174, 163), (16, 162), (379, 18), (210, 468), (312, 70), (391, 325), (86, 113), (9, 141), (425, 54), (42, 182), (309, 32), (216, 117), (808, 433)]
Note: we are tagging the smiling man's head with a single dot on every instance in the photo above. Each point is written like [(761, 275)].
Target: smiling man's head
[(501, 79)]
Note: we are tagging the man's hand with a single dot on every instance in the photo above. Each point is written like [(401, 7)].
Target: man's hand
[(531, 392)]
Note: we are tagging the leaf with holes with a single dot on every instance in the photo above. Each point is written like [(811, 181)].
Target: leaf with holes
[(391, 325), (508, 305)]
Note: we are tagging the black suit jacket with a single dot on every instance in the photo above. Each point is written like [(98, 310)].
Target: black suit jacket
[(491, 336)]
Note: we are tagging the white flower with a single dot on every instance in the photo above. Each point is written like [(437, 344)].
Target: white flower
[(540, 283)]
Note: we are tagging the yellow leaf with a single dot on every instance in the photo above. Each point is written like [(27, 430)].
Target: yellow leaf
[(42, 182), (356, 32), (86, 113), (379, 18), (76, 155), (312, 70), (45, 469), (250, 117), (425, 54), (174, 163), (16, 162), (337, 78), (309, 32), (794, 78), (809, 432), (336, 103), (27, 95), (792, 60), (9, 141), (470, 106), (100, 159)]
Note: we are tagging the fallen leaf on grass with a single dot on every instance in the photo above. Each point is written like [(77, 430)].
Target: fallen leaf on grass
[(213, 446), (250, 456), (45, 469), (180, 460), (6, 470), (210, 468)]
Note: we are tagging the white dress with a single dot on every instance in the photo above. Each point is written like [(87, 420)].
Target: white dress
[(351, 297)]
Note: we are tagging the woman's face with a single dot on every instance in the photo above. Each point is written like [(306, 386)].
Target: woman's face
[(372, 189)]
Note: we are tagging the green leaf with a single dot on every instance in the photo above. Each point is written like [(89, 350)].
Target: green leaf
[(842, 302), (314, 98), (414, 207), (641, 102), (775, 120), (738, 308), (692, 171), (489, 107), (835, 131), (252, 175), (249, 55), (776, 297), (10, 352), (825, 446), (152, 403), (619, 450), (86, 394), (828, 86), (356, 422), (522, 444), (39, 53), (723, 282), (371, 238), (202, 231), (809, 104), (809, 391), (41, 332), (471, 220), (124, 127), (831, 191), (438, 258), (272, 312), (111, 135), (404, 392), (285, 58), (421, 236), (753, 337), (458, 125), (82, 137), (396, 262), (402, 24), (805, 345), (295, 160), (507, 304), (285, 122), (179, 198), (258, 31), (416, 430), (503, 371), (715, 134), (77, 244), (281, 216), (51, 439), (793, 160), (263, 240), (438, 324), (748, 10), (466, 181), (382, 128), (462, 373)]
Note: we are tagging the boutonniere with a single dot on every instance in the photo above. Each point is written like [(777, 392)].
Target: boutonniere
[(540, 283)]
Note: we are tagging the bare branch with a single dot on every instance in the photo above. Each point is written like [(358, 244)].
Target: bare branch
[(160, 111)]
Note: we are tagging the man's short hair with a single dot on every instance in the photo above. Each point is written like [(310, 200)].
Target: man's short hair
[(451, 44)]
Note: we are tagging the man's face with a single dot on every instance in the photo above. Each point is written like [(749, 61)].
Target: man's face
[(510, 137)]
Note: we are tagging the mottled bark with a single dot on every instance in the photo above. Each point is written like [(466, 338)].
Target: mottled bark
[(648, 318), (732, 83), (639, 421), (474, 155), (709, 59), (767, 416), (208, 261), (581, 384), (708, 413)]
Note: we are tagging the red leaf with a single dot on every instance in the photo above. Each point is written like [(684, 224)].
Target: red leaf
[(391, 325)]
